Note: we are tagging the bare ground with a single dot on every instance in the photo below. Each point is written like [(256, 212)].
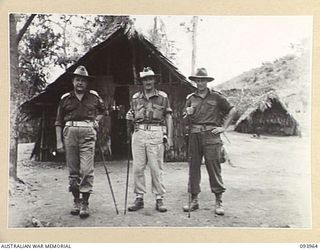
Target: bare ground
[(269, 187)]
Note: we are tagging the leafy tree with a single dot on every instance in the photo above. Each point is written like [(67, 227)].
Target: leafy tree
[(16, 88), (158, 37)]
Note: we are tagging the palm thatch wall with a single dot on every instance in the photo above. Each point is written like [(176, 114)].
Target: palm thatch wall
[(268, 116)]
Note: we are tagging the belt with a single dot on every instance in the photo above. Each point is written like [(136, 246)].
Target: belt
[(79, 124), (201, 127), (149, 127)]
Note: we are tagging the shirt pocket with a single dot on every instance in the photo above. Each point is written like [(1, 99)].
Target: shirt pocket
[(91, 109), (70, 106), (158, 111), (211, 105), (139, 111)]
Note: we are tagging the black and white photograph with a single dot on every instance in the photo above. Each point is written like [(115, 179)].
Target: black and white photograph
[(159, 121)]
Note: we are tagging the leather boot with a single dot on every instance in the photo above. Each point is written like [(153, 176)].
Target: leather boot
[(219, 207), (76, 203), (160, 206), (194, 205), (84, 210), (75, 210), (138, 204)]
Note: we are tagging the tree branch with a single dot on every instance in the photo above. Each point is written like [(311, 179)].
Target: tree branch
[(25, 27)]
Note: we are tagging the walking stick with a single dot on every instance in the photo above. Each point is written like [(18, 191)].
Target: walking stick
[(127, 181), (226, 137), (128, 166), (189, 160), (108, 177), (189, 204)]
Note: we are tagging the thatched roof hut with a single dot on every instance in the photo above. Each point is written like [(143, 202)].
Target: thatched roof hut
[(268, 116), (115, 63)]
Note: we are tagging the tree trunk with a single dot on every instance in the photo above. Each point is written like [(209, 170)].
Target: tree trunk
[(14, 96)]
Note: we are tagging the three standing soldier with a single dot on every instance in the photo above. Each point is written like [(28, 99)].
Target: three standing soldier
[(209, 114), (79, 113), (151, 114)]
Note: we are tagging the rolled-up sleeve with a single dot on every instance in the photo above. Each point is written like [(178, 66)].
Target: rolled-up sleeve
[(224, 105), (101, 107), (168, 109), (59, 118)]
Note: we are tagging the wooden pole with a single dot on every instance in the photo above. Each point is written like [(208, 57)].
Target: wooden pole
[(194, 43)]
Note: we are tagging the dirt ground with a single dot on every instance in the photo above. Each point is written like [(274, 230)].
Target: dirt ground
[(269, 187)]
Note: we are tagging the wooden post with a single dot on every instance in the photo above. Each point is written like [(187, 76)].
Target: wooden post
[(194, 43)]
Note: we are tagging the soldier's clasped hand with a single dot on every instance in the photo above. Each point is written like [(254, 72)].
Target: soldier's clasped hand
[(218, 130)]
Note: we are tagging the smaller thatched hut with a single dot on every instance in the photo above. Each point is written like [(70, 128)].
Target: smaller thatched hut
[(268, 116)]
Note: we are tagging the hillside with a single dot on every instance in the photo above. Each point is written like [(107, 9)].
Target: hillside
[(288, 76)]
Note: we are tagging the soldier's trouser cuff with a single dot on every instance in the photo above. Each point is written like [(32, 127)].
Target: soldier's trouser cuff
[(74, 183), (159, 196)]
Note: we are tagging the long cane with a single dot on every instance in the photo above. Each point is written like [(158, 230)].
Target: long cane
[(189, 160), (127, 181), (189, 204), (129, 124), (108, 177)]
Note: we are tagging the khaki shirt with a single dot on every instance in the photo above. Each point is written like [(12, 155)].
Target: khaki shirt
[(210, 110), (72, 109), (152, 110)]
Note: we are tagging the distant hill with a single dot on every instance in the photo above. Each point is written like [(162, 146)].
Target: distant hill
[(288, 76)]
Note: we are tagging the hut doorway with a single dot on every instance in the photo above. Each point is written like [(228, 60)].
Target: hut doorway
[(118, 112)]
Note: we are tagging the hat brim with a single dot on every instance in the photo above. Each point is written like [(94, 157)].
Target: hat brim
[(209, 79), (150, 76), (155, 76), (87, 77)]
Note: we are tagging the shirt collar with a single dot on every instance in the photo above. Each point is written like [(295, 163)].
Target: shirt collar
[(196, 93), (142, 95), (74, 94)]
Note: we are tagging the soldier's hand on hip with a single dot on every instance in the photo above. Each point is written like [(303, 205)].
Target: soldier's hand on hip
[(217, 130)]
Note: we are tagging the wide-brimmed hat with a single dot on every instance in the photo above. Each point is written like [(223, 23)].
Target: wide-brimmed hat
[(201, 73), (148, 72), (81, 71)]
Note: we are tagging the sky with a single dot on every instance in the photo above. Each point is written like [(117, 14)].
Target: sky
[(230, 45)]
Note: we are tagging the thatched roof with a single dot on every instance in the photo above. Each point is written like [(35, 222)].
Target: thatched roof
[(280, 117), (63, 84)]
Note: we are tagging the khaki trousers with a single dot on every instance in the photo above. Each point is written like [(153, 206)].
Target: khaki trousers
[(80, 145), (148, 148), (208, 145)]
